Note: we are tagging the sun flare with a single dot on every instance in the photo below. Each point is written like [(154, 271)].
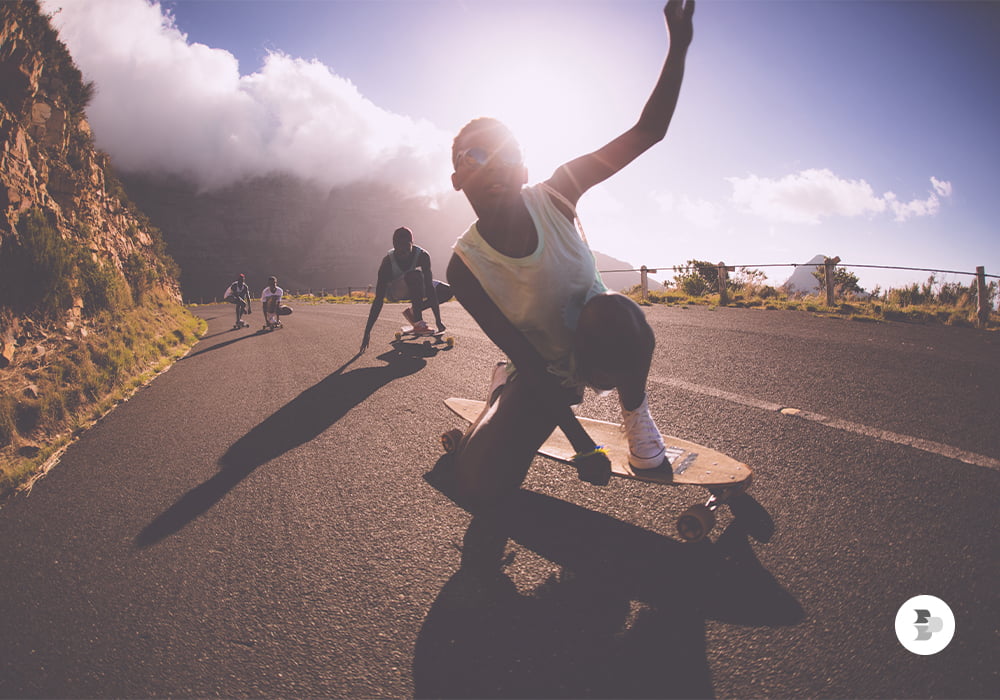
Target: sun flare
[(550, 103)]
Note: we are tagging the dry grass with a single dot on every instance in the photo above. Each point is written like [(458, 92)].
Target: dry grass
[(61, 381)]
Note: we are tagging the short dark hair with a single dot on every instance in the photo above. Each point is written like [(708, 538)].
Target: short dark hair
[(478, 126), (402, 233)]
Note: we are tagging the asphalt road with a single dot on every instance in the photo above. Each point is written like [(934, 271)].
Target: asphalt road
[(257, 522)]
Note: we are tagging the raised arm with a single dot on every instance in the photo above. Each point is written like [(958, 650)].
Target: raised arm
[(577, 176)]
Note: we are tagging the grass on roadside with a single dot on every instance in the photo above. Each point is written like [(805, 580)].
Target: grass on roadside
[(67, 381), (960, 313)]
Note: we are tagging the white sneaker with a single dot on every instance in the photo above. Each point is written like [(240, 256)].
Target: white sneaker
[(497, 379), (645, 444)]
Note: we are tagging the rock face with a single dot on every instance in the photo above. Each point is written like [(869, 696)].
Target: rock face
[(50, 172), (311, 238)]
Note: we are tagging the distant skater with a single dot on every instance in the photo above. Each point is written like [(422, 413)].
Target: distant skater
[(405, 273), (526, 275), (238, 293), (270, 300)]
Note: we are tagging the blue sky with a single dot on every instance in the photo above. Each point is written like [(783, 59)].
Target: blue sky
[(851, 128)]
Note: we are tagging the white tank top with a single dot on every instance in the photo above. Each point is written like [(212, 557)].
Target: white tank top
[(397, 270), (541, 294)]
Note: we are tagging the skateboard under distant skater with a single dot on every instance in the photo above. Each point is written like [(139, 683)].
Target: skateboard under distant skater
[(407, 332), (688, 463), (273, 321)]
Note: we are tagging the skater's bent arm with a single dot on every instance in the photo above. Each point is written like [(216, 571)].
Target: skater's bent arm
[(577, 176), (529, 363), (381, 287)]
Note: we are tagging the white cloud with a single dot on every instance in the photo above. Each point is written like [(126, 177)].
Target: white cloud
[(805, 197), (943, 188), (700, 212), (809, 196), (166, 104)]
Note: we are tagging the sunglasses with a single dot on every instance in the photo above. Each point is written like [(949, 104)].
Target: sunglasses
[(478, 157)]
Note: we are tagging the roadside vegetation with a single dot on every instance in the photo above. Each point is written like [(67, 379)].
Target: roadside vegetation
[(63, 385), (948, 303), (358, 297), (81, 335)]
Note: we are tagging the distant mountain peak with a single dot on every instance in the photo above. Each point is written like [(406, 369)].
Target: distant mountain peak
[(803, 280)]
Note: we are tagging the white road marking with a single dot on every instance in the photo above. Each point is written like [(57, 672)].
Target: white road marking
[(937, 448)]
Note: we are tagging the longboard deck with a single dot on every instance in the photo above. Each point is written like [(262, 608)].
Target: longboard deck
[(429, 337), (689, 462), (408, 330)]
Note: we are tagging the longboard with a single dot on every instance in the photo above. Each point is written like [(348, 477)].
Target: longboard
[(407, 332), (687, 463)]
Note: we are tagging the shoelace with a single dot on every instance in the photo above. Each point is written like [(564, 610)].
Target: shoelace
[(642, 433)]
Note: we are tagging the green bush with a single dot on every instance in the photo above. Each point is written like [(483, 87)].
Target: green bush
[(36, 269), (102, 287), (7, 427)]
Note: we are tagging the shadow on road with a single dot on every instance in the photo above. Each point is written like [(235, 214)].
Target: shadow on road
[(624, 616), (219, 346), (295, 423)]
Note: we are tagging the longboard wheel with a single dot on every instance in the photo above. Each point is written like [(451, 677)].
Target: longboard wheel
[(450, 440), (696, 522), (449, 341), (399, 336), (427, 343)]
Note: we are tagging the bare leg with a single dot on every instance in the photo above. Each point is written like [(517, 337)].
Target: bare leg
[(495, 454), (415, 286)]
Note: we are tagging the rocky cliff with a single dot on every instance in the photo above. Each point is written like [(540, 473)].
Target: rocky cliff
[(89, 299), (61, 208)]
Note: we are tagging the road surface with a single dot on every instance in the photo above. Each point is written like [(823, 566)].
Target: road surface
[(257, 522)]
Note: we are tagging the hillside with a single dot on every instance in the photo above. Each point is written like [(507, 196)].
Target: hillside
[(309, 237), (89, 299)]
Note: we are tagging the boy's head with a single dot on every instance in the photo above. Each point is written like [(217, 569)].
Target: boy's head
[(486, 144), (402, 240)]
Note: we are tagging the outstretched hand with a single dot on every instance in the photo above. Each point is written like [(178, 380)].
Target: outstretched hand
[(679, 14), (365, 342)]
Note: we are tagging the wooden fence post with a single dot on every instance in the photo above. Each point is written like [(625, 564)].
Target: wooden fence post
[(723, 287), (982, 304), (828, 265), (645, 282)]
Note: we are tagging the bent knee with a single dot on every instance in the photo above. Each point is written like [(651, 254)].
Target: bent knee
[(613, 320), (414, 277), (612, 336)]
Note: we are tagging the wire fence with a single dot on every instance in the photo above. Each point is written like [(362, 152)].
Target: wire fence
[(827, 278), (829, 264), (674, 268)]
